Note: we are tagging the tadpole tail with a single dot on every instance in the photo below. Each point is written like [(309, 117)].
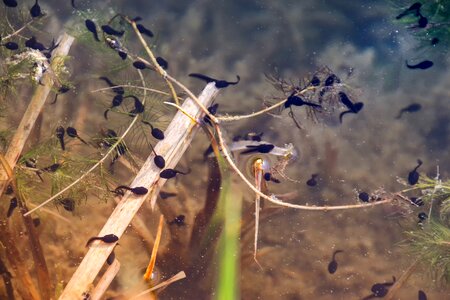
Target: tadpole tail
[(91, 240), (83, 141), (342, 115), (63, 146), (235, 82), (202, 77)]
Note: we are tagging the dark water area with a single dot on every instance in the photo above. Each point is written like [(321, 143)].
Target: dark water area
[(372, 150)]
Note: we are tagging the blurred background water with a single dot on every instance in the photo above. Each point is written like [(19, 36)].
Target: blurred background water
[(369, 150)]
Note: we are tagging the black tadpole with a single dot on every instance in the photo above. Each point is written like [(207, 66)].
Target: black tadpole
[(212, 110), (414, 107), (111, 258), (11, 46), (52, 168), (159, 161), (156, 132), (109, 239), (413, 176), (90, 25), (162, 63), (421, 295), (138, 106), (269, 177), (415, 8), (72, 132), (141, 28), (116, 89), (297, 101), (61, 90), (10, 3), (261, 148), (364, 197), (12, 206), (166, 195), (426, 64), (111, 31), (139, 65), (170, 173), (116, 101), (60, 135), (312, 181), (220, 84), (35, 10), (178, 220), (353, 108), (67, 203), (333, 265), (140, 190)]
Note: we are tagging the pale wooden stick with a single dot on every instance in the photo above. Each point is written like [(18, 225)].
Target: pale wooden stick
[(34, 108), (178, 276), (105, 281), (179, 135)]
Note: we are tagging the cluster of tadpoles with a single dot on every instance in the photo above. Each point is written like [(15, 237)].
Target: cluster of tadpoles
[(422, 22)]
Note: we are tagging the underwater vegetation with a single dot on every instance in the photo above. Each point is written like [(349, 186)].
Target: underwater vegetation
[(57, 174)]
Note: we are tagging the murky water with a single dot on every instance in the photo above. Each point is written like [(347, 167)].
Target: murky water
[(359, 42)]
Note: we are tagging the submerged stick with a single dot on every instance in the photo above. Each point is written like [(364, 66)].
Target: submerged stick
[(179, 135), (105, 281), (34, 108)]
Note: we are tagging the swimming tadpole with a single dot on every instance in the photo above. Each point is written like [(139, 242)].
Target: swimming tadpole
[(170, 173), (60, 136), (333, 265), (10, 3), (261, 148), (72, 132), (109, 239), (414, 107), (413, 176), (35, 10), (141, 28), (90, 25), (426, 64), (220, 84), (178, 220)]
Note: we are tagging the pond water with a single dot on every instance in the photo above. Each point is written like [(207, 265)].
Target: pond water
[(404, 116)]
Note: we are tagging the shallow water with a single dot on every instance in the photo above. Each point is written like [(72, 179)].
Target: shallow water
[(369, 151)]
